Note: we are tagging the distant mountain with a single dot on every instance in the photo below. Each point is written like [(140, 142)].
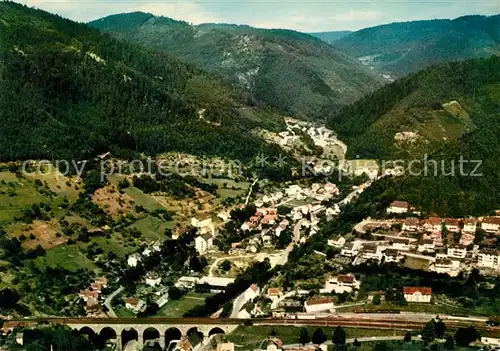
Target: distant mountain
[(402, 48), (445, 112), (71, 91), (330, 37), (294, 72)]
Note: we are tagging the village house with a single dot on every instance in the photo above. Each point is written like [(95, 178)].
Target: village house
[(416, 294), (401, 244), (467, 238), (135, 304), (488, 259), (470, 225), (437, 237), (351, 249), (134, 259), (340, 284), (433, 224), (153, 279), (319, 305), (452, 225), (447, 266), (293, 190), (457, 251), (338, 243), (392, 255), (203, 243), (410, 225), (490, 224), (426, 245), (272, 344), (398, 207), (88, 294), (372, 252), (204, 225)]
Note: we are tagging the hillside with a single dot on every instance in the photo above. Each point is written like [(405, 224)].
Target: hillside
[(403, 48), (70, 91), (444, 112), (294, 72), (330, 37)]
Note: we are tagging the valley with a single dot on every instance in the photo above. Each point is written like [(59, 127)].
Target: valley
[(167, 185)]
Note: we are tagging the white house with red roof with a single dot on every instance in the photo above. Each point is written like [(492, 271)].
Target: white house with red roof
[(416, 294), (398, 207), (490, 224), (319, 305), (470, 225)]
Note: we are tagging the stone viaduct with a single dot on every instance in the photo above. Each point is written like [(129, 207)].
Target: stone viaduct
[(163, 331)]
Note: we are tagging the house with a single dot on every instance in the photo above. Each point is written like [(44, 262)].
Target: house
[(88, 294), (346, 280), (401, 244), (398, 207), (224, 215), (274, 292), (134, 259), (203, 243), (226, 346), (488, 259), (371, 252), (410, 225), (392, 255), (457, 251), (415, 294), (426, 245), (153, 279), (351, 249), (204, 225), (135, 304), (293, 190), (371, 295), (269, 219), (467, 238), (331, 189), (452, 225), (216, 284), (319, 305), (491, 224), (490, 341), (470, 225), (445, 265), (338, 243), (102, 281), (272, 344), (433, 224)]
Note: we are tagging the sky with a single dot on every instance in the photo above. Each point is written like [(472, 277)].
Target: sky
[(305, 15)]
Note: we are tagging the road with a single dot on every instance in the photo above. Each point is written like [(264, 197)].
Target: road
[(250, 191), (107, 302), (350, 341), (296, 231)]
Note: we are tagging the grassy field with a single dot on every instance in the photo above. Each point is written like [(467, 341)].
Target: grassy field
[(177, 308), (152, 228), (250, 337), (67, 257)]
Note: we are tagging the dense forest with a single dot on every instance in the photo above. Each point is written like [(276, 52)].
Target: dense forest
[(416, 104), (294, 72), (403, 48), (70, 91)]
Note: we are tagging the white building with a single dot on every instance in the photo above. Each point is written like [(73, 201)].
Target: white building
[(153, 280), (351, 249), (135, 304), (204, 225), (488, 259), (398, 207), (392, 255), (203, 243), (338, 243), (452, 225), (401, 244), (426, 245), (447, 266), (410, 225), (372, 252), (470, 225), (491, 224), (457, 251), (134, 259), (414, 294), (319, 305)]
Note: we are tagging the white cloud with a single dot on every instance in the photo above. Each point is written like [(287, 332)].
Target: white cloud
[(358, 15)]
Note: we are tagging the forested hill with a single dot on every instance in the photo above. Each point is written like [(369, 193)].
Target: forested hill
[(331, 37), (447, 111), (68, 90), (294, 72), (402, 48)]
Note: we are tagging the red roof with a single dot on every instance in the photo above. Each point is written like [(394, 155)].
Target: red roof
[(492, 220), (273, 291), (345, 278), (400, 204), (414, 290), (452, 221), (434, 221)]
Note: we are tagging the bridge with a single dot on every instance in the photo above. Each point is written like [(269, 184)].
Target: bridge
[(144, 330)]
